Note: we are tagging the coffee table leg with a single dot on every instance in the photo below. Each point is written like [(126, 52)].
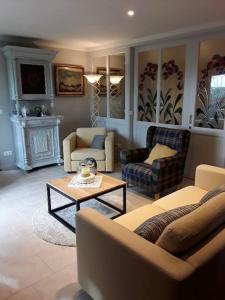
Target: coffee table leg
[(49, 199), (78, 206), (124, 199)]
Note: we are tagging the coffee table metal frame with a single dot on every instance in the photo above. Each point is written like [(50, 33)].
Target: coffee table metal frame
[(52, 212)]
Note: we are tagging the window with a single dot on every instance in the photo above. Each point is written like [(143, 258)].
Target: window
[(172, 85), (172, 66), (147, 85), (210, 100)]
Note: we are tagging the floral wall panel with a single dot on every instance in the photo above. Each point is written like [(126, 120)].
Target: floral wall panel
[(172, 85), (147, 85), (210, 100)]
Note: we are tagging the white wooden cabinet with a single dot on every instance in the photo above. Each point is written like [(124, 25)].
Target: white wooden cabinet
[(36, 141)]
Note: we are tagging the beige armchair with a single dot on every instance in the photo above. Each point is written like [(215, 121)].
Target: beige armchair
[(76, 147)]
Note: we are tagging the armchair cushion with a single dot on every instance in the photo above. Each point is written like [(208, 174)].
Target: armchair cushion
[(160, 151), (82, 153), (86, 135), (98, 142)]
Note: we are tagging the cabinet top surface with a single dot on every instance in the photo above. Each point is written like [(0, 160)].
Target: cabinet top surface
[(20, 118)]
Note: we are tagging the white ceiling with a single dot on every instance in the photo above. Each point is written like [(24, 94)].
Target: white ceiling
[(89, 24)]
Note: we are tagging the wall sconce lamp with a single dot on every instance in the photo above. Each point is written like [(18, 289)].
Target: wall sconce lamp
[(115, 81), (93, 80)]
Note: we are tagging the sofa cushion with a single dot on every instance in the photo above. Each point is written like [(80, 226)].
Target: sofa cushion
[(186, 232), (160, 151), (82, 153), (185, 196), (98, 142), (212, 193), (136, 217), (152, 228), (86, 135)]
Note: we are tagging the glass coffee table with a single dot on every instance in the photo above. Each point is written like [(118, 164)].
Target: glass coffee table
[(79, 195)]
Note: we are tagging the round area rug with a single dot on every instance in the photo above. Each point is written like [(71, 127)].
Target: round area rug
[(51, 230)]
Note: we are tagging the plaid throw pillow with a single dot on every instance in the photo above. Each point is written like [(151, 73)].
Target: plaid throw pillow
[(214, 192), (152, 228)]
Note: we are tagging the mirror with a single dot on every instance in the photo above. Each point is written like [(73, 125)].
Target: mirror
[(99, 67), (117, 86)]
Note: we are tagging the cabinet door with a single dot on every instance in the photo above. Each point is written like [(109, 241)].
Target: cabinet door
[(41, 142)]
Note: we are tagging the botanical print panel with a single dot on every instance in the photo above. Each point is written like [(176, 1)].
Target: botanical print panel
[(172, 85), (147, 85), (210, 100)]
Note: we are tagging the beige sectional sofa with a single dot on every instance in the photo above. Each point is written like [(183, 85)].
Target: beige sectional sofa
[(76, 147), (116, 264)]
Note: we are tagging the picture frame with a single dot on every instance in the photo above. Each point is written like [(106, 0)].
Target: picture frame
[(103, 83), (69, 80), (33, 79)]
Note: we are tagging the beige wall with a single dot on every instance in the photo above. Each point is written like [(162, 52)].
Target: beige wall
[(74, 109), (204, 149)]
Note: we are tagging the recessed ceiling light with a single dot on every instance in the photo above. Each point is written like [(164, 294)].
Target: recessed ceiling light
[(130, 13)]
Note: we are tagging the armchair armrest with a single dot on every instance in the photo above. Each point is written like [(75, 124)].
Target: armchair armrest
[(133, 155), (114, 263), (109, 151), (167, 172), (69, 144), (208, 177)]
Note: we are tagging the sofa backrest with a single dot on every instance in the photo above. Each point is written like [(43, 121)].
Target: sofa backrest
[(86, 135), (177, 139)]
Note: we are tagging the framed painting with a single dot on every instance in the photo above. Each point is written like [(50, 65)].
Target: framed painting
[(69, 80), (103, 84), (32, 79)]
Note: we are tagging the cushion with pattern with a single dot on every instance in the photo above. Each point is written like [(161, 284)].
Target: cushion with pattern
[(152, 228)]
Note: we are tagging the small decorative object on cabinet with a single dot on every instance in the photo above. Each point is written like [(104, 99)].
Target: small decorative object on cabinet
[(69, 80), (36, 130)]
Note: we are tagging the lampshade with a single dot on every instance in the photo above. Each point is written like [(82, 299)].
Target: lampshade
[(115, 79), (93, 78)]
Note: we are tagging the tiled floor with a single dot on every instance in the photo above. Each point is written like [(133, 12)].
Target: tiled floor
[(31, 269)]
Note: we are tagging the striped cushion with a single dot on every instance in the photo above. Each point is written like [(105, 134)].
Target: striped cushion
[(212, 193), (152, 228)]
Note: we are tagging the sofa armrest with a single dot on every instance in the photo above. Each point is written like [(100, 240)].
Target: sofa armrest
[(69, 144), (208, 177), (167, 172), (109, 151), (133, 155), (115, 263)]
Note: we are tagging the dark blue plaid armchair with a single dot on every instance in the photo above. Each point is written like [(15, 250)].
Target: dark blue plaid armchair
[(164, 173)]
